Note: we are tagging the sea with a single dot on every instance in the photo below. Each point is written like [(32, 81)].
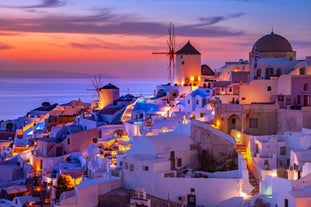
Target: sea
[(19, 96)]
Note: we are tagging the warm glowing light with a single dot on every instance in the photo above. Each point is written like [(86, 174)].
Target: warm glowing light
[(217, 123), (192, 78), (164, 130), (274, 173), (244, 195), (238, 139), (199, 78)]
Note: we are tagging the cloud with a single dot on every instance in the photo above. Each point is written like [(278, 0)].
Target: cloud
[(216, 19), (99, 44), (106, 22), (43, 4), (5, 47)]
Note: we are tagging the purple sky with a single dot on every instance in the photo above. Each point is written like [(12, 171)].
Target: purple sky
[(118, 37)]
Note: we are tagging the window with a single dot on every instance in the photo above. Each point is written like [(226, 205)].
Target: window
[(282, 150), (258, 73), (202, 114), (131, 167), (306, 87), (269, 73), (197, 102), (179, 162), (95, 140), (145, 168), (269, 88), (266, 162), (181, 57), (279, 72), (301, 71), (68, 141), (285, 202), (298, 99), (188, 101), (172, 154), (183, 62), (253, 123), (126, 165)]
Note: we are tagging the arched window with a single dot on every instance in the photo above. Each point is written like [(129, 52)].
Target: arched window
[(269, 73), (279, 72), (306, 87)]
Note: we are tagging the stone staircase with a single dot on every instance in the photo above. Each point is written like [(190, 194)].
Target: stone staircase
[(254, 183)]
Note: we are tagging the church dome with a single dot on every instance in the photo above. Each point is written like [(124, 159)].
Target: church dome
[(272, 43)]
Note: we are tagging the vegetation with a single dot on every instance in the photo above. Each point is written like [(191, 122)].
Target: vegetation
[(64, 183), (9, 127), (224, 162)]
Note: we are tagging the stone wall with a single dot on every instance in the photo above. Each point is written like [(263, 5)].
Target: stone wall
[(289, 120), (211, 139), (121, 198)]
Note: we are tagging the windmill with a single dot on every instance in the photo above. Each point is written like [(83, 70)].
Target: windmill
[(97, 84), (171, 53)]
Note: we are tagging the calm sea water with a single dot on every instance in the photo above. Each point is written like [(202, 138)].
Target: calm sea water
[(19, 96)]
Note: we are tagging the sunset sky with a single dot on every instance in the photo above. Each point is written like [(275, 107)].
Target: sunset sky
[(118, 37)]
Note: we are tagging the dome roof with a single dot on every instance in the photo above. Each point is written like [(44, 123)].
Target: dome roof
[(272, 43)]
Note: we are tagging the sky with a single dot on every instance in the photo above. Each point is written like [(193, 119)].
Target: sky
[(118, 37)]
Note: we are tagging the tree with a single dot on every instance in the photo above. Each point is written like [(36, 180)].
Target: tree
[(9, 126), (64, 183)]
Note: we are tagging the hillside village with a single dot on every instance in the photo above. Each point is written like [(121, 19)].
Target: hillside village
[(239, 135)]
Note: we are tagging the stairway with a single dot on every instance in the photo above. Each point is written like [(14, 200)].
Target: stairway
[(254, 183)]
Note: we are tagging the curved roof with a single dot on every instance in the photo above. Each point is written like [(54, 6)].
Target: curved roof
[(272, 43)]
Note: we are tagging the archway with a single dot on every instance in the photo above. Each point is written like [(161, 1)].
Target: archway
[(234, 122)]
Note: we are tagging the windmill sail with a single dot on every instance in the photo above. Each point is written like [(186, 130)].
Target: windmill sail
[(97, 84), (171, 53)]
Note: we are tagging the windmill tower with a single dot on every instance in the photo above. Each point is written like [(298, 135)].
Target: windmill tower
[(170, 53), (188, 66), (97, 84)]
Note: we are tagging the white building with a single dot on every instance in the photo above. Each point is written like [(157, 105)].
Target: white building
[(164, 164)]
